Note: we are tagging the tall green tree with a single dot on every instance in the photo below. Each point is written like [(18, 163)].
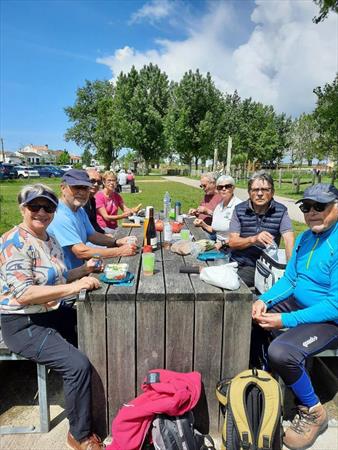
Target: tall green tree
[(226, 119), (92, 115), (326, 116), (63, 158), (304, 139), (259, 132), (190, 122), (140, 103)]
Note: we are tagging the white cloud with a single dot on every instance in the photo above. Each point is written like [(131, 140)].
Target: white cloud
[(283, 59), (153, 11)]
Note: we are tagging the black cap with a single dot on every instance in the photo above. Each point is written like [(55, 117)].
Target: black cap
[(76, 177), (44, 194), (321, 192)]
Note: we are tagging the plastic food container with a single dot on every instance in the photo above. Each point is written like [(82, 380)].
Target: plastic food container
[(116, 271)]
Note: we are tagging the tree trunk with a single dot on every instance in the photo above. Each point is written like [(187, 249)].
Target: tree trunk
[(108, 156)]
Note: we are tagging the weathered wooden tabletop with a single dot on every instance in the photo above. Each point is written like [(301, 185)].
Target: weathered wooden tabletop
[(169, 320)]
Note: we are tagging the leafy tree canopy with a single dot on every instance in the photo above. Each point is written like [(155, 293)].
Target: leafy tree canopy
[(326, 116), (140, 104), (63, 158), (325, 6), (93, 120)]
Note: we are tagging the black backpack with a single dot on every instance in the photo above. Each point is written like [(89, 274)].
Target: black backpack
[(252, 409), (178, 433)]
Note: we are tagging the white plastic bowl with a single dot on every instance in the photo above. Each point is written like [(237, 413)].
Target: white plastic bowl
[(116, 271)]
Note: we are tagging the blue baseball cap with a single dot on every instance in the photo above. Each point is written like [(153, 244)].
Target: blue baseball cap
[(321, 192), (76, 177), (32, 195)]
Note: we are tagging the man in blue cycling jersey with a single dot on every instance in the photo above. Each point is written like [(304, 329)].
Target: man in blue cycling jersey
[(305, 301)]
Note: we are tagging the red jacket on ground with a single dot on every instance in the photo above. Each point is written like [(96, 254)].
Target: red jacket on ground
[(165, 392)]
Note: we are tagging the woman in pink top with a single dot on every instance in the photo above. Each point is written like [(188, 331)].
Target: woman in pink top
[(108, 204)]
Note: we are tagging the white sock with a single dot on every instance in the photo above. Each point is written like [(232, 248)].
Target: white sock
[(314, 406)]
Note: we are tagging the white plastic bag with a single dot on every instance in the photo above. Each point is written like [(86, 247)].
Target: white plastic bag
[(224, 276)]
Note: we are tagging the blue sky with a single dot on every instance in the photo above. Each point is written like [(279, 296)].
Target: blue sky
[(269, 50)]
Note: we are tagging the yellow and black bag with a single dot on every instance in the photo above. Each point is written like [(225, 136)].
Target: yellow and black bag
[(252, 409)]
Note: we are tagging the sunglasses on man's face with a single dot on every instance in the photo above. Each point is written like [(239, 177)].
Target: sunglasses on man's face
[(203, 186), (220, 187), (98, 182), (305, 207), (35, 207)]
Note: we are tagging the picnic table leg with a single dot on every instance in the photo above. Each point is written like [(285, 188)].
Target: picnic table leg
[(92, 341)]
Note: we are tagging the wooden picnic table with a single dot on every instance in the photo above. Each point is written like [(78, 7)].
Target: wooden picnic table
[(169, 320)]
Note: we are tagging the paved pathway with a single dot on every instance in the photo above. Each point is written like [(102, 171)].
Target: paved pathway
[(293, 209)]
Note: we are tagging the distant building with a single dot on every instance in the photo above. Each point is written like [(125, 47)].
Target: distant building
[(35, 154), (10, 158), (42, 154)]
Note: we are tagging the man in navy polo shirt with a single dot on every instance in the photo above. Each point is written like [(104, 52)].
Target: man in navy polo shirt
[(256, 224)]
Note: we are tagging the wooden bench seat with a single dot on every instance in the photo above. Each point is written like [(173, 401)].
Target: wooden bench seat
[(7, 355)]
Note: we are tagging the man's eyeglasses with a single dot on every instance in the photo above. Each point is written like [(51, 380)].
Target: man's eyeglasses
[(224, 186), (203, 186), (317, 206), (98, 182), (264, 190), (35, 207)]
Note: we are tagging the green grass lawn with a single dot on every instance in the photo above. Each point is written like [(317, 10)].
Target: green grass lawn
[(286, 190), (151, 194)]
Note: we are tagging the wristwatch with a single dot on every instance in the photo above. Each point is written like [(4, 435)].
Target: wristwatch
[(224, 243)]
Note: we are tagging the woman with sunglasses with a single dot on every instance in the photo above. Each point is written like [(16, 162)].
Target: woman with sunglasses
[(305, 302), (108, 204), (225, 186), (34, 321)]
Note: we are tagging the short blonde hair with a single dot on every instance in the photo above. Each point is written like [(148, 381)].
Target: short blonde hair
[(109, 173)]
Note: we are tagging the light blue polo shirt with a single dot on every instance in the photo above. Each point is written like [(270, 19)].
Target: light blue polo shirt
[(70, 228)]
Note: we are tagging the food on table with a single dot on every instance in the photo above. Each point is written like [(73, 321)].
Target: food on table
[(116, 271)]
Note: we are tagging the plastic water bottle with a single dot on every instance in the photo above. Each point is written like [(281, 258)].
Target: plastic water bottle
[(272, 250), (166, 206), (168, 235)]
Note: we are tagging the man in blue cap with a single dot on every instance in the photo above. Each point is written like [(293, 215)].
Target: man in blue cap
[(72, 228), (305, 301)]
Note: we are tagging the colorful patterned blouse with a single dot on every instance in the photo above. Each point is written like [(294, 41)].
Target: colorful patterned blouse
[(25, 261)]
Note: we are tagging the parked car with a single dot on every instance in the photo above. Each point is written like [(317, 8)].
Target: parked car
[(7, 171), (27, 172), (48, 171), (65, 167)]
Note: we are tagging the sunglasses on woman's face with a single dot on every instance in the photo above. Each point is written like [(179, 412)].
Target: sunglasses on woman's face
[(220, 187), (35, 207), (305, 207)]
